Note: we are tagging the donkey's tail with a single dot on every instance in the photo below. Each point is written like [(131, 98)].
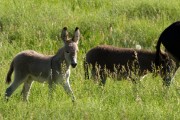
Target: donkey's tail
[(86, 71), (11, 69), (158, 51)]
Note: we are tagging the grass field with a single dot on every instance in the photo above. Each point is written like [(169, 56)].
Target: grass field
[(35, 24)]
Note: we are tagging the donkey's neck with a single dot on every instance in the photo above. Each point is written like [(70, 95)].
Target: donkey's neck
[(59, 57)]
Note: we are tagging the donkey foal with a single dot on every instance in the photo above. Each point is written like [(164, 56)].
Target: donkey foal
[(30, 65)]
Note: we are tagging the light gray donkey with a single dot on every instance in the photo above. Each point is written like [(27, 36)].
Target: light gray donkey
[(29, 66)]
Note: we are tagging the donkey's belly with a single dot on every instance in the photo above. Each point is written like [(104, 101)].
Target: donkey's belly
[(58, 78), (41, 78)]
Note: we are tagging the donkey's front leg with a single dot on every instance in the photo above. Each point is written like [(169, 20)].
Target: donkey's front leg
[(67, 86), (52, 87)]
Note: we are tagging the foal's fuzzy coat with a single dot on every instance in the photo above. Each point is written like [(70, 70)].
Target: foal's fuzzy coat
[(30, 65), (124, 62)]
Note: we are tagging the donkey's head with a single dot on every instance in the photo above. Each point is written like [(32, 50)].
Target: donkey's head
[(70, 46)]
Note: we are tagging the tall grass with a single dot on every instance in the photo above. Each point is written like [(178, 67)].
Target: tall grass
[(36, 25)]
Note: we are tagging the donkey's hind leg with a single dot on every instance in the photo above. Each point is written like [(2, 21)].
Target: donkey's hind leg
[(26, 89), (18, 80)]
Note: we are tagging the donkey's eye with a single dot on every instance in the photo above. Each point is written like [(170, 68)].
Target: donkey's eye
[(67, 51)]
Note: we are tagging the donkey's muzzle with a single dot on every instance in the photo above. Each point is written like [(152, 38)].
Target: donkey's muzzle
[(73, 65)]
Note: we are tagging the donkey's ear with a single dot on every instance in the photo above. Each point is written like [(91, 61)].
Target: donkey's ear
[(76, 36), (64, 34)]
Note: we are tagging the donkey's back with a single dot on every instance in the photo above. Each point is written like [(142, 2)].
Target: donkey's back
[(110, 57), (32, 63)]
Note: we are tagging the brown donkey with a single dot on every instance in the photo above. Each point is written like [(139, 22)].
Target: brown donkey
[(124, 62), (29, 66)]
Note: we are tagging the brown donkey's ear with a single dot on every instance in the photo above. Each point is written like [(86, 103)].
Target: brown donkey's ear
[(76, 36), (64, 34)]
